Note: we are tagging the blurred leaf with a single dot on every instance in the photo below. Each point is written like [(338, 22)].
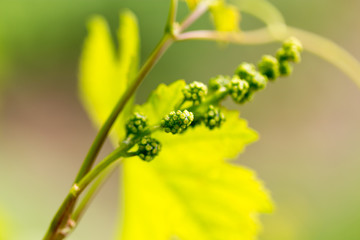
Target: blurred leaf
[(128, 35), (105, 75), (192, 3), (226, 17), (189, 191)]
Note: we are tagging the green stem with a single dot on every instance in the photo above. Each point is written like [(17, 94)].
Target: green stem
[(194, 15), (121, 151), (79, 211), (162, 46), (59, 231), (172, 17), (79, 187), (65, 209), (60, 219), (90, 194), (59, 228)]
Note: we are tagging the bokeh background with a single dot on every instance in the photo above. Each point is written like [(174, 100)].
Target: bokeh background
[(308, 154)]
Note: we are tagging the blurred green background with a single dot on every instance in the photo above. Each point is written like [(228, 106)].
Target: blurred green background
[(308, 154)]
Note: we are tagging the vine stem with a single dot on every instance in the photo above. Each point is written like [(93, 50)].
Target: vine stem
[(65, 209), (198, 12), (63, 215), (86, 200), (259, 36), (120, 152), (172, 16), (90, 194), (162, 46)]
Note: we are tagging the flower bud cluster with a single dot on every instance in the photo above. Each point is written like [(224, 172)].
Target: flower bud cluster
[(241, 87), (269, 68), (213, 117), (195, 92), (148, 148), (290, 52), (177, 122), (218, 82), (136, 124), (246, 72), (238, 88)]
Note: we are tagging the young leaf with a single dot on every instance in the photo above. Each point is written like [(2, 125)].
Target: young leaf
[(105, 75), (226, 17), (189, 191)]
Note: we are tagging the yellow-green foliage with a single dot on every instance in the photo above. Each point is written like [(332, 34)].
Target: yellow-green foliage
[(190, 191), (226, 17), (104, 74)]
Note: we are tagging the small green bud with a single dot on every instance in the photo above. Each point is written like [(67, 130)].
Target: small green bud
[(148, 148), (246, 71), (195, 92), (136, 124), (290, 51), (177, 122), (269, 67), (258, 82), (285, 68), (247, 97), (213, 117), (238, 88), (291, 54), (218, 82), (292, 43)]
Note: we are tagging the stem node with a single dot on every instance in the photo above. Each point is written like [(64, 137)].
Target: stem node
[(75, 190)]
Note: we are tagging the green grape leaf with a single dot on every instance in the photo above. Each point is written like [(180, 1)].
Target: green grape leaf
[(226, 17), (190, 191), (105, 75)]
